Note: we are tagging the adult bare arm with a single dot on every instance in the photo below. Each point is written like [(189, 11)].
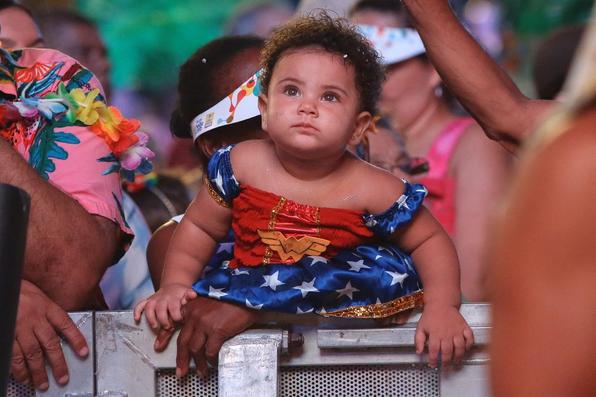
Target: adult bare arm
[(484, 89), (156, 251), (67, 249), (543, 274)]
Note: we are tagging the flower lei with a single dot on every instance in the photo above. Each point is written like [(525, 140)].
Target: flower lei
[(141, 182), (75, 107)]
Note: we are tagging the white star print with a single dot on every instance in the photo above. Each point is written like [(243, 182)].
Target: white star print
[(348, 291), (272, 281), (317, 259), (225, 247), (219, 182), (299, 311), (371, 222), (225, 265), (305, 288), (235, 180), (357, 266), (402, 202), (397, 278), (251, 306), (322, 311), (377, 257), (216, 292), (238, 272)]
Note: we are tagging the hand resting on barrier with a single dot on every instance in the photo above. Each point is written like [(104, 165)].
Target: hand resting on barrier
[(40, 322), (208, 323)]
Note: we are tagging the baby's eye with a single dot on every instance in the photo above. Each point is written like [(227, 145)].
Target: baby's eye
[(330, 97), (291, 90)]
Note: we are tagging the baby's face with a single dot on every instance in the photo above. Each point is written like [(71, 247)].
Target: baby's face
[(312, 106)]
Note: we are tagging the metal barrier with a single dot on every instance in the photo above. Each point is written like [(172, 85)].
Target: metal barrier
[(300, 356)]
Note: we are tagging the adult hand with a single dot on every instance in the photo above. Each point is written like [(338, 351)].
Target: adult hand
[(208, 323), (40, 321)]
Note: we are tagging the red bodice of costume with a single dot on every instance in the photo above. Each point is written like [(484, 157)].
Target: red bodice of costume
[(272, 229)]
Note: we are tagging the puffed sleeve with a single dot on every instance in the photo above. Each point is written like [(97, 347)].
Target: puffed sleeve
[(220, 179), (400, 213)]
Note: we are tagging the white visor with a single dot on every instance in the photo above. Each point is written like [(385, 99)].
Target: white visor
[(393, 44)]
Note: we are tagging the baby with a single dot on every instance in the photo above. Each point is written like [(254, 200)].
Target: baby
[(306, 213)]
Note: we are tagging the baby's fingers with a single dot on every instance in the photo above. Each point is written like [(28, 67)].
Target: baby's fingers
[(189, 294), (151, 315), (138, 312), (434, 346), (419, 340), (446, 351), (163, 316), (176, 312), (469, 337), (459, 348)]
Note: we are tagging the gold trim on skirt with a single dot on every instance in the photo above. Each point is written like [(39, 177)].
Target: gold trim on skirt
[(380, 310)]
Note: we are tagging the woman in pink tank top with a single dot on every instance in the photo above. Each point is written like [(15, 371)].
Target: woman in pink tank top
[(467, 172)]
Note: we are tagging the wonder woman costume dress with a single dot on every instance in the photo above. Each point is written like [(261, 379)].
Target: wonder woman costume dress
[(297, 258)]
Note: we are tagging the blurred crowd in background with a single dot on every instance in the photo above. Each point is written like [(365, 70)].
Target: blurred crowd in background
[(147, 41), (136, 50)]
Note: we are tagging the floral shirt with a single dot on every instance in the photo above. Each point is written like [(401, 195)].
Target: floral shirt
[(52, 111)]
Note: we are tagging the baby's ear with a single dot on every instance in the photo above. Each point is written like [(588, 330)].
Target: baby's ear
[(263, 110), (364, 122)]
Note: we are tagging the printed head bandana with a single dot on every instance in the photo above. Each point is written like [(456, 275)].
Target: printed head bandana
[(393, 44)]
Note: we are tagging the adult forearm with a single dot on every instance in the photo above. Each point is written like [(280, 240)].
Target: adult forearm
[(67, 248), (486, 91)]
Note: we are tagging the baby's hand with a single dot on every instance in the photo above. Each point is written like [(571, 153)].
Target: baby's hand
[(447, 333), (164, 307)]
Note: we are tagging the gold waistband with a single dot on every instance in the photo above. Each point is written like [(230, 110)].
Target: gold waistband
[(380, 310)]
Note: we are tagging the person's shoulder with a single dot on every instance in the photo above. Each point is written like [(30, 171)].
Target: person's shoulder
[(250, 145), (51, 63), (474, 146), (378, 188), (570, 158), (473, 139), (249, 151), (248, 155), (44, 55)]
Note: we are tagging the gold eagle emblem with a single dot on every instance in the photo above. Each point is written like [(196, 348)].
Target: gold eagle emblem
[(292, 247)]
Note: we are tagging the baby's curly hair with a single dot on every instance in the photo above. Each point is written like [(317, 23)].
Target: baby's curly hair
[(335, 35)]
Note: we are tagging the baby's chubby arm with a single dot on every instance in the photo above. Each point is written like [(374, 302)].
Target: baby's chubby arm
[(204, 224), (435, 258)]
